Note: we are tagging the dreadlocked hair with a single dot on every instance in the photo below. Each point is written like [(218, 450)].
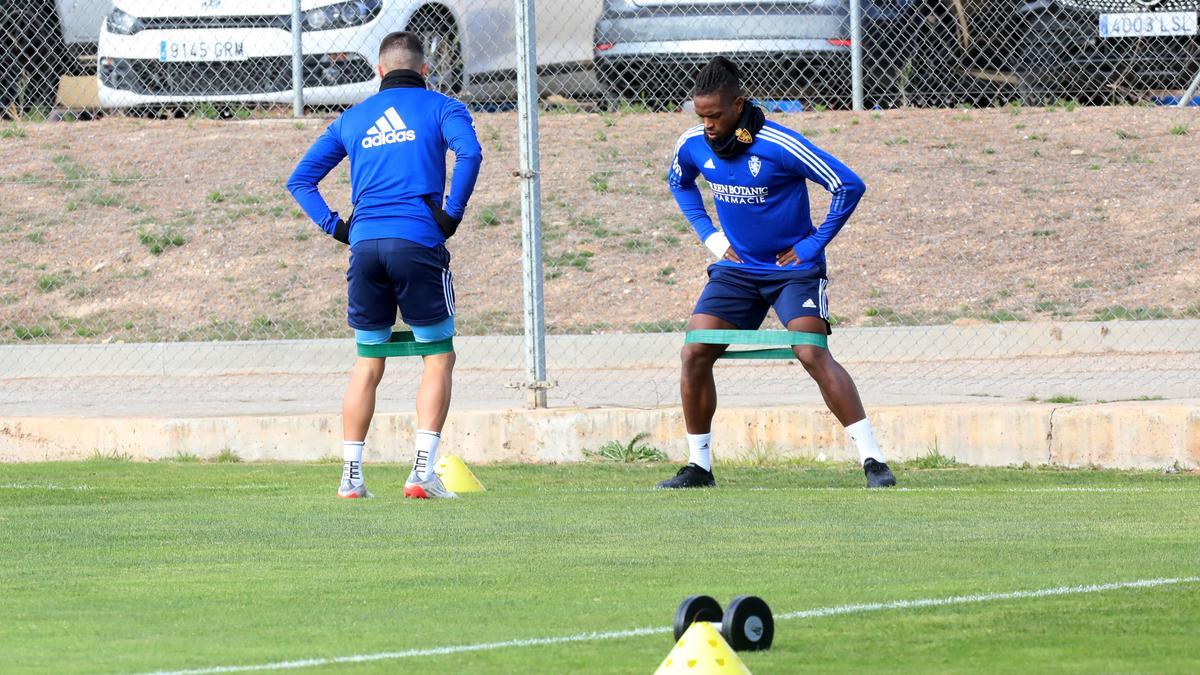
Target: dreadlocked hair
[(719, 75)]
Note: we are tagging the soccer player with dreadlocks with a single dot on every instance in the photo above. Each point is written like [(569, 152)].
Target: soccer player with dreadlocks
[(769, 255)]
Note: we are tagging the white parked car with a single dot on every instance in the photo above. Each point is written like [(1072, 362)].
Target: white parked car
[(158, 52)]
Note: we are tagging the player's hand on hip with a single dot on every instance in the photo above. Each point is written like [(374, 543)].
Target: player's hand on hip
[(447, 223), (341, 231), (731, 255), (788, 257)]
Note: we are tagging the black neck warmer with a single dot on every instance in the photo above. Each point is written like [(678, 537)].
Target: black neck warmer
[(748, 126), (398, 79)]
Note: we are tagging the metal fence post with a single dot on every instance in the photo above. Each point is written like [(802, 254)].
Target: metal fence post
[(856, 60), (297, 60), (1186, 99), (531, 204)]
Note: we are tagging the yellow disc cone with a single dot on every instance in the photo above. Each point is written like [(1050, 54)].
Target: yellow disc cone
[(702, 651), (456, 476)]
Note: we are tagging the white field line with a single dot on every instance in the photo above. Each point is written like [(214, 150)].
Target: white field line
[(968, 489), (658, 630), (85, 488), (51, 486), (988, 597), (633, 490)]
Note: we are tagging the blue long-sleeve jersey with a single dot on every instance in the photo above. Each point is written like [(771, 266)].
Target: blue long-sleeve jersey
[(761, 197), (396, 141)]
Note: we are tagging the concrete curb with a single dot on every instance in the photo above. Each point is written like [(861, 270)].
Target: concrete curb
[(1142, 434), (895, 344)]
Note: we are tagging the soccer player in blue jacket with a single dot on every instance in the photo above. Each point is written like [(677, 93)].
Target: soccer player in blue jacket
[(769, 254), (396, 141)]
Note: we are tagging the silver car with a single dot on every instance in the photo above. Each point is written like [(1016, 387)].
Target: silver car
[(650, 50)]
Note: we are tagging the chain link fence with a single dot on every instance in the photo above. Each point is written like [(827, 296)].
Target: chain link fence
[(220, 57), (1013, 240)]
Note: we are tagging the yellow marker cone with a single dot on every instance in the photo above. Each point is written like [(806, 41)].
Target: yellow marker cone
[(456, 476), (702, 651)]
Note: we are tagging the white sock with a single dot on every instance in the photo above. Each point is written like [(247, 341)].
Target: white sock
[(700, 450), (352, 462), (864, 438), (427, 447)]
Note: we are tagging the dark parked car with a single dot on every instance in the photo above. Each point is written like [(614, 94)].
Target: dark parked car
[(32, 56), (41, 41), (1094, 51)]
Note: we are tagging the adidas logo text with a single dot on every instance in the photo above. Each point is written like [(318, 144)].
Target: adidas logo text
[(387, 130)]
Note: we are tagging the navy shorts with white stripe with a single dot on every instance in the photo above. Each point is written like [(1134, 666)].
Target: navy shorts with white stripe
[(742, 297), (386, 274)]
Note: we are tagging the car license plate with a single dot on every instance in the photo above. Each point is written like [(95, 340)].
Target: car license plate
[(1147, 24), (201, 50)]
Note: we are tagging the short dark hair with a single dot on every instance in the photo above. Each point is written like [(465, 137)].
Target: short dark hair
[(402, 46), (719, 75)]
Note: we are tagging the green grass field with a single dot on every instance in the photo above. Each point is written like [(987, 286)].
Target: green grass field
[(111, 566)]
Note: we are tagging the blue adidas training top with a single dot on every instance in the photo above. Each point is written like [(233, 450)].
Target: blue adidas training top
[(396, 141), (761, 197)]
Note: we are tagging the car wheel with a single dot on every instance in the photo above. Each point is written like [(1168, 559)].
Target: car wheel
[(630, 89), (896, 51), (43, 55), (610, 100), (1040, 73), (938, 73), (612, 87), (443, 49)]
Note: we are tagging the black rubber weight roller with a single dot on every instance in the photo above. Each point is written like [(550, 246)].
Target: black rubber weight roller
[(695, 608), (748, 625)]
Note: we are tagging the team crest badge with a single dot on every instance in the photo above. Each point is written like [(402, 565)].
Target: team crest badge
[(755, 165), (744, 136)]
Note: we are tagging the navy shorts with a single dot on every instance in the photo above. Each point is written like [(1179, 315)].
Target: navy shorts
[(388, 273), (743, 297)]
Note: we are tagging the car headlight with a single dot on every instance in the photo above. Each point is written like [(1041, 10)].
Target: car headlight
[(342, 15), (123, 23)]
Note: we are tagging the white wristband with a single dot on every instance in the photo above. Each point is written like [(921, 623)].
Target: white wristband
[(718, 243)]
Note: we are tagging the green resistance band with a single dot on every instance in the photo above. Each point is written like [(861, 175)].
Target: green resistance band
[(405, 344), (757, 337)]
